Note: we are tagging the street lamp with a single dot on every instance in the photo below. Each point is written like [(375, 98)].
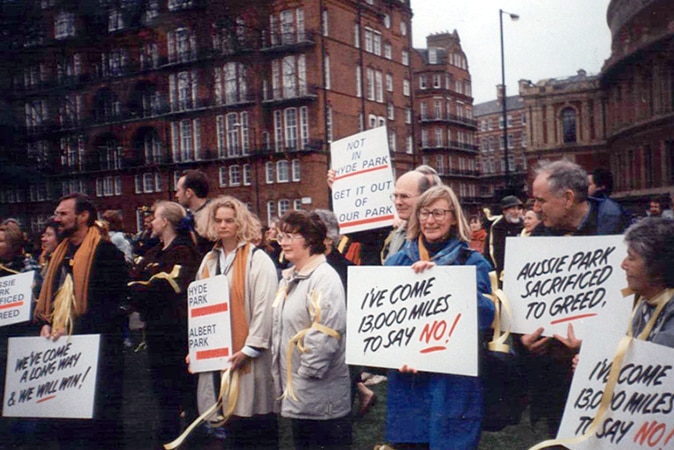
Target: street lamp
[(505, 99)]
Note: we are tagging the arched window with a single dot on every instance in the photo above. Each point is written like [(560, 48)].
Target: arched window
[(569, 125)]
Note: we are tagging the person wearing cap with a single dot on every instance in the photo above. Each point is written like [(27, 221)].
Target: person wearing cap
[(510, 223)]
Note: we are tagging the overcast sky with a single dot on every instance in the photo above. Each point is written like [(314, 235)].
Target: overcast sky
[(551, 39)]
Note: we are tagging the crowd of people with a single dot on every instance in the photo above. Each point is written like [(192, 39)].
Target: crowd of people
[(287, 289)]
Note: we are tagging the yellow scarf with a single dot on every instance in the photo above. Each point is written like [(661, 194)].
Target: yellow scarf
[(75, 290)]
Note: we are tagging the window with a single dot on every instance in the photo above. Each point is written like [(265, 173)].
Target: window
[(177, 5), (282, 171), (108, 186), (388, 53), (423, 110), (389, 82), (439, 137), (422, 82), (115, 20), (368, 40), (289, 78), (291, 128), (232, 80), (326, 69), (403, 28), (222, 176), (325, 22), (432, 55), (149, 56), (437, 108), (356, 36), (64, 25), (569, 125), (186, 140), (387, 21), (247, 175), (287, 28), (328, 123), (72, 152), (379, 86), (182, 45), (392, 145), (297, 204), (376, 41), (232, 134), (359, 82), (235, 175), (296, 176), (269, 172), (408, 115), (271, 211), (370, 83), (406, 88), (390, 111), (183, 90), (437, 81), (406, 58), (283, 206)]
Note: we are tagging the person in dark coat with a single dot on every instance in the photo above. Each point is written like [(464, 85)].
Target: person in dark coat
[(510, 223), (99, 276), (159, 293)]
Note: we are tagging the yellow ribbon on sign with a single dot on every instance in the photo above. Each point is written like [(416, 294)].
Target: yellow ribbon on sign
[(501, 304), (229, 385), (298, 341), (170, 277), (61, 317)]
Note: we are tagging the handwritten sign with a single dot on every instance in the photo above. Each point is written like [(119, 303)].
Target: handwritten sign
[(51, 379), (426, 320), (209, 328), (15, 298), (363, 181), (640, 412), (554, 281)]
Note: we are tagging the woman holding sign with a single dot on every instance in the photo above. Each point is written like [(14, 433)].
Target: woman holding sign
[(431, 410), (159, 293), (308, 345), (252, 279)]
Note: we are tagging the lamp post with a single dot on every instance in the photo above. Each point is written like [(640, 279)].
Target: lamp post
[(505, 99)]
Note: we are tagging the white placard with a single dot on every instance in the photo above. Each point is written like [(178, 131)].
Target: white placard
[(209, 328), (427, 320), (640, 414), (363, 181), (555, 281), (16, 292), (51, 379)]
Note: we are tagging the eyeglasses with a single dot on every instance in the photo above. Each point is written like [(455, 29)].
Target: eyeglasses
[(438, 214), (402, 197), (290, 236)]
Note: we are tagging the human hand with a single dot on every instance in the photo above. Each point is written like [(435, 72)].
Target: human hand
[(420, 266), (574, 363), (570, 340), (238, 360), (534, 343), (330, 178), (407, 369)]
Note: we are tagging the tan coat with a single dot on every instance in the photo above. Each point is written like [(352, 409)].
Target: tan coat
[(256, 394)]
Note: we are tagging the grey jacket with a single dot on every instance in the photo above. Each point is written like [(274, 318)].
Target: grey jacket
[(663, 331), (320, 377)]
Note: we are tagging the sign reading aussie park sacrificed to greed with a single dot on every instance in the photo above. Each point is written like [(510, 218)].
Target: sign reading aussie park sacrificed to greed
[(554, 281), (640, 413), (363, 181), (51, 379), (427, 320), (209, 330), (15, 296)]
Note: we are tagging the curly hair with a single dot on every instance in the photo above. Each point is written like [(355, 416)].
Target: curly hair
[(249, 225)]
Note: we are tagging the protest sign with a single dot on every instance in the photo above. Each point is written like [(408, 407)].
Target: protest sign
[(554, 281), (363, 181), (16, 292), (639, 414), (209, 328), (427, 320), (51, 379)]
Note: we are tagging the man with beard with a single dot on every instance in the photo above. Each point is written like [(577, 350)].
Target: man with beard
[(89, 263), (509, 224)]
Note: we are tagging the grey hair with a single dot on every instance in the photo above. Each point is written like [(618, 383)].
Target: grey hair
[(563, 175), (653, 239), (330, 221), (431, 175)]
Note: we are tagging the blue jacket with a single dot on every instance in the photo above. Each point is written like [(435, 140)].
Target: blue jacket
[(442, 410)]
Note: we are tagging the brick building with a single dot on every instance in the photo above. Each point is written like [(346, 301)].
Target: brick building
[(444, 113), (116, 98), (489, 116)]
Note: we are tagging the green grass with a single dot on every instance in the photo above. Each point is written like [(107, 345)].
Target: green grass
[(369, 430)]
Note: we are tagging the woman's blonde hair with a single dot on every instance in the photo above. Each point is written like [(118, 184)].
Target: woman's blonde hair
[(249, 226), (460, 231)]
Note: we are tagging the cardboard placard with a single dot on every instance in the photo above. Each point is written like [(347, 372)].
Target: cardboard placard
[(209, 327), (16, 292), (554, 281), (51, 379), (427, 320), (363, 181)]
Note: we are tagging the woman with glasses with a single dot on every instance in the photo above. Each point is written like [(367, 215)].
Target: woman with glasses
[(308, 342), (431, 410), (252, 279)]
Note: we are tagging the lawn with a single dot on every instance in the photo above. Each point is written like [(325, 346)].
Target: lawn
[(369, 430)]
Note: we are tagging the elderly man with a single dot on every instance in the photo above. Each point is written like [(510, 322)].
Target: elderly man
[(510, 223), (560, 193), (96, 269)]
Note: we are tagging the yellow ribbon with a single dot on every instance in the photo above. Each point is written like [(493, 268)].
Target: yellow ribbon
[(298, 341), (498, 342), (64, 304), (612, 381), (229, 386), (170, 277), (4, 267)]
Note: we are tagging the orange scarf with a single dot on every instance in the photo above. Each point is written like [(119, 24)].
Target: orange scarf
[(237, 296), (81, 264), (423, 253)]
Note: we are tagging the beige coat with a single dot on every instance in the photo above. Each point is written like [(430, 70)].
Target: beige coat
[(256, 394)]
